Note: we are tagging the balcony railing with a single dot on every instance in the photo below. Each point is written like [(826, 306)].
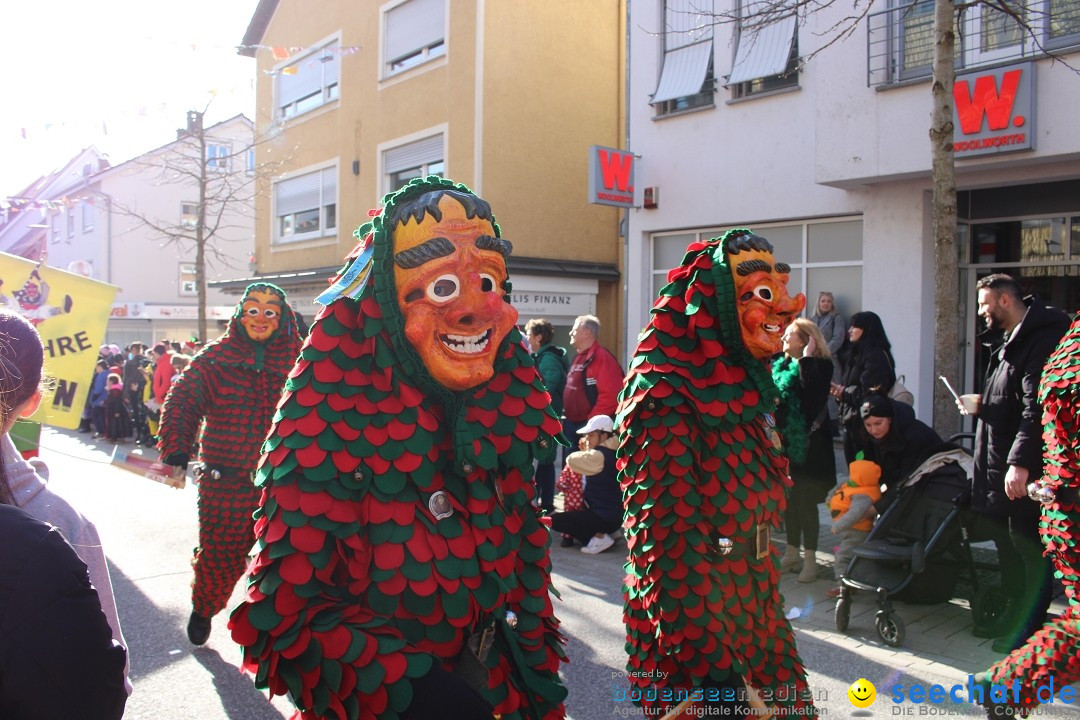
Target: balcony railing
[(900, 40)]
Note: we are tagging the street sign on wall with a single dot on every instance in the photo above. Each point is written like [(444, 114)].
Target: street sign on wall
[(994, 111), (611, 176)]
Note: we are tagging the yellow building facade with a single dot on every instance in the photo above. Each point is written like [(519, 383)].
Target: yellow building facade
[(355, 98)]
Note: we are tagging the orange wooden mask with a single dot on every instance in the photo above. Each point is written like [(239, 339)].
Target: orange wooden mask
[(449, 275), (260, 314), (765, 309)]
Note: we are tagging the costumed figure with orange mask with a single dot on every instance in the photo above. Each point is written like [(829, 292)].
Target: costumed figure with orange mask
[(704, 479), (401, 569), (218, 411)]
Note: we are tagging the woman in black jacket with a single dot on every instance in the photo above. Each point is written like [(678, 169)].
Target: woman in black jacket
[(803, 375), (57, 657), (868, 368)]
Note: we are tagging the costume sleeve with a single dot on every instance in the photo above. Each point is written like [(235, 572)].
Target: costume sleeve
[(860, 506), (609, 381), (586, 462), (60, 633), (184, 409)]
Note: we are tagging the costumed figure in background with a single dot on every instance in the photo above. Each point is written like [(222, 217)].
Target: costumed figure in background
[(401, 569), (229, 391), (1051, 657), (704, 479)]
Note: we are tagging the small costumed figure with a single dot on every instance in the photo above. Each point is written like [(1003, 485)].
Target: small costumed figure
[(401, 569), (221, 408), (1050, 659), (704, 478), (32, 300)]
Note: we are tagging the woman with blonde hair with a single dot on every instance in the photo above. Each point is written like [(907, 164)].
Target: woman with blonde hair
[(803, 375)]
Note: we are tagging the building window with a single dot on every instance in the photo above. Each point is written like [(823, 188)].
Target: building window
[(1062, 25), (309, 82), (54, 228), (249, 164), (189, 215), (186, 282), (900, 40), (305, 206), (823, 255), (767, 53), (414, 32), (70, 222), (686, 77), (412, 160), (217, 157), (87, 217)]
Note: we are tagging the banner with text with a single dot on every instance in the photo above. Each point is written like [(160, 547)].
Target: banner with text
[(70, 312)]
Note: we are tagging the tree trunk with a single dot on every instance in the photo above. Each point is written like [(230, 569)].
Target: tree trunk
[(943, 207)]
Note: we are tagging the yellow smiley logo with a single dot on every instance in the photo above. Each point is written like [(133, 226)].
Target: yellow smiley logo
[(862, 693)]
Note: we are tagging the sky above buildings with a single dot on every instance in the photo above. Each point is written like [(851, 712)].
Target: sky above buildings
[(118, 75)]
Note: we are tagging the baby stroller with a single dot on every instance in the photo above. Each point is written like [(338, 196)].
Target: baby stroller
[(919, 548)]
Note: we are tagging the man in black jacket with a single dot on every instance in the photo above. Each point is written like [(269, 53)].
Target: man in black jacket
[(1008, 449)]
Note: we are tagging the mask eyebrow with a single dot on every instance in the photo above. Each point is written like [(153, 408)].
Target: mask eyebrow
[(487, 242), (749, 267), (426, 251), (783, 267)]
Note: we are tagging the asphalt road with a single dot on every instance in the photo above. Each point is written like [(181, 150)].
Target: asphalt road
[(149, 531)]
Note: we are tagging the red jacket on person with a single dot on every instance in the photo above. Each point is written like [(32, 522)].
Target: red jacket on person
[(163, 372), (592, 385)]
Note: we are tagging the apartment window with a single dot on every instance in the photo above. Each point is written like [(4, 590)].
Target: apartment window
[(54, 228), (309, 82), (767, 54), (87, 217), (70, 222), (189, 215), (249, 164), (186, 282), (686, 76), (412, 160), (305, 206), (414, 32), (217, 156), (1062, 23)]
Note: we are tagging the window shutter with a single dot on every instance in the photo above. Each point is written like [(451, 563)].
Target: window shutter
[(297, 194), (684, 71), (414, 25), (764, 51), (329, 186), (307, 80), (413, 154)]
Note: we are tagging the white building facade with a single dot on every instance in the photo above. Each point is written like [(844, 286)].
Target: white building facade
[(830, 159)]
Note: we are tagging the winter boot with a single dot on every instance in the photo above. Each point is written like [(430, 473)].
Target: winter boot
[(791, 559), (808, 573)]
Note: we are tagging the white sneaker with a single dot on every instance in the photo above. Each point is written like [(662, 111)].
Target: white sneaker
[(598, 545)]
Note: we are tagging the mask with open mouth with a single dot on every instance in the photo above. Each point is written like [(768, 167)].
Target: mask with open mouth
[(449, 273), (765, 309)]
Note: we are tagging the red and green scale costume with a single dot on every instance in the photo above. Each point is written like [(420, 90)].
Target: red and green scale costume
[(218, 411), (360, 585), (698, 462), (1053, 653)]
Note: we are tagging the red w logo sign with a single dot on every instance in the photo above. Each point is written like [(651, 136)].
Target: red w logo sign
[(615, 169), (986, 100)]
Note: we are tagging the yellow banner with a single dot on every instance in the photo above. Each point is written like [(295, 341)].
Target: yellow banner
[(70, 311)]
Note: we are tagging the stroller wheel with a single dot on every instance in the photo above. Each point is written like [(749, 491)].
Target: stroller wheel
[(989, 607), (890, 628), (842, 614)]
